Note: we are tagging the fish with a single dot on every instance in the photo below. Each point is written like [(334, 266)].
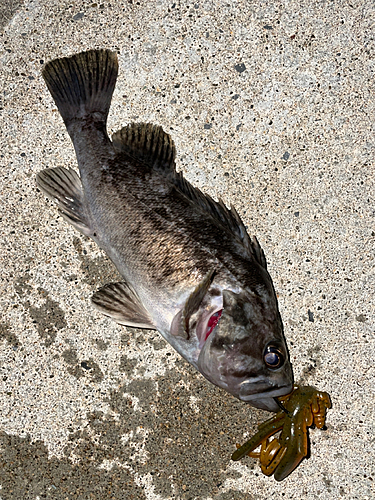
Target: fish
[(189, 268)]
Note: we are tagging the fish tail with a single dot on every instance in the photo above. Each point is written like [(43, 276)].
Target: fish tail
[(82, 85)]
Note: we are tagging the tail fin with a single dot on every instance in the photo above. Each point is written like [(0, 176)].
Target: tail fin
[(83, 84)]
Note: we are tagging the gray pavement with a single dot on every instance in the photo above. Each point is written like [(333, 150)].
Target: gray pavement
[(271, 107)]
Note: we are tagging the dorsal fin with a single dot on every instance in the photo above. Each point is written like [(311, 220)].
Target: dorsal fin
[(257, 252), (228, 218), (148, 144), (217, 209)]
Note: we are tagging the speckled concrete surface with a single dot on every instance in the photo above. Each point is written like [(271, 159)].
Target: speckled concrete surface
[(271, 106)]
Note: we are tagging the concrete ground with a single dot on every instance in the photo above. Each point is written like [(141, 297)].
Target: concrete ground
[(271, 106)]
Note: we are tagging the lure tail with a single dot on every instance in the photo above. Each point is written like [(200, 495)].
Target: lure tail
[(82, 85)]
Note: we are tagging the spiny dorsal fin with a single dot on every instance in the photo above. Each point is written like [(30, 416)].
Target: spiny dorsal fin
[(148, 144), (121, 303), (222, 214), (64, 187), (217, 209), (258, 252)]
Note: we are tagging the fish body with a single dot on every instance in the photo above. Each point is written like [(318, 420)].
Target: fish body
[(189, 268)]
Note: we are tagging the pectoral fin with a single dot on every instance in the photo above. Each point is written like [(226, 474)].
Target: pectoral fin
[(180, 323), (121, 303)]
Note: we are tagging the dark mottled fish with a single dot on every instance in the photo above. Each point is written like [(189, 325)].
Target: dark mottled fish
[(189, 268)]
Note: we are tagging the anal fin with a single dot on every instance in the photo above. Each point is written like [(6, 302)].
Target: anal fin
[(121, 303), (65, 188)]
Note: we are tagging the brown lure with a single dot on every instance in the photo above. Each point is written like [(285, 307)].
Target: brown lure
[(303, 407)]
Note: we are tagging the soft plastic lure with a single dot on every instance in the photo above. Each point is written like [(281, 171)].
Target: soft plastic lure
[(302, 408)]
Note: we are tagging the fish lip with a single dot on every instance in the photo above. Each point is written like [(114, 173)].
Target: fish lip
[(268, 392), (265, 400)]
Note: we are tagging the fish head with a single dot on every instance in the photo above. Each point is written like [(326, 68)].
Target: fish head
[(246, 352)]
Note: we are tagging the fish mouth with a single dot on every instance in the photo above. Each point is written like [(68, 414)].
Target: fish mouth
[(260, 394)]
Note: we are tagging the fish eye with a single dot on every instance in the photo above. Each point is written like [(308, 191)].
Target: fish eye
[(273, 357)]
